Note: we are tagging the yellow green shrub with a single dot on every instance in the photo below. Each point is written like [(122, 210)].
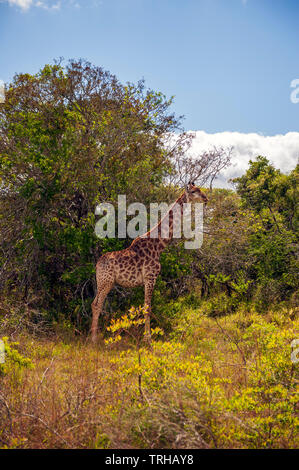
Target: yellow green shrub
[(13, 359)]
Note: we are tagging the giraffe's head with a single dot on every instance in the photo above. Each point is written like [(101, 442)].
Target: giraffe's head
[(194, 193)]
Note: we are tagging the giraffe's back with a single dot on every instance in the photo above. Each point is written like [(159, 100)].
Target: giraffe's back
[(123, 267), (129, 267)]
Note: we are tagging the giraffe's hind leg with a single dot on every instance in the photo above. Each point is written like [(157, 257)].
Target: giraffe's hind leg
[(97, 305)]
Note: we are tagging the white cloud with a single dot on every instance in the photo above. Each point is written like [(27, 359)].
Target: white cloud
[(49, 5), (281, 150), (23, 4), (74, 3)]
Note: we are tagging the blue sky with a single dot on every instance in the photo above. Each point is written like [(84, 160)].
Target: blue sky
[(229, 63)]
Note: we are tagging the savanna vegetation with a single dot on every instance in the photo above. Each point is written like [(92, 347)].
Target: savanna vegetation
[(219, 372)]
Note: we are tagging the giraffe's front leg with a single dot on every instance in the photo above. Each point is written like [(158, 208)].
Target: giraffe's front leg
[(97, 306), (148, 291)]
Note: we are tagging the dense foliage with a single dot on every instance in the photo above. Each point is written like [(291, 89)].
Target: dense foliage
[(251, 250), (74, 136)]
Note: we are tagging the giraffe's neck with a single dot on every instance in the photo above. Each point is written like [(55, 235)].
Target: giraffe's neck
[(163, 231)]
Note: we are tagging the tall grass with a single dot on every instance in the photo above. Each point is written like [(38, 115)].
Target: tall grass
[(225, 382)]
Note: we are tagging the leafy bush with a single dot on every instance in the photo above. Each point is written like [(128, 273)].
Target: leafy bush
[(14, 361)]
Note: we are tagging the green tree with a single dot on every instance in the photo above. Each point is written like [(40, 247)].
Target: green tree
[(71, 137), (273, 198)]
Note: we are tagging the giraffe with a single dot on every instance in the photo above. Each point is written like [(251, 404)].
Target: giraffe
[(139, 263)]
